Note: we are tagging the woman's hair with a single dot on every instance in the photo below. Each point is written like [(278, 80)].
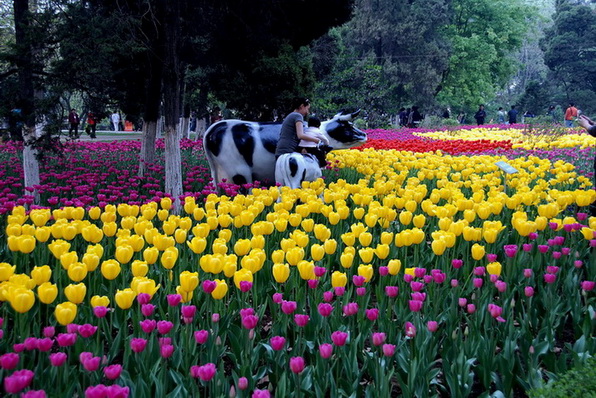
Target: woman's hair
[(299, 101), (314, 121)]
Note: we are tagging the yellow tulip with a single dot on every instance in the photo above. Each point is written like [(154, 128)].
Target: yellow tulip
[(330, 246), (242, 247), (13, 243), (41, 274), (366, 254), (150, 255), (189, 281), (281, 272), (166, 203), (278, 256), (124, 253), (186, 296), (358, 213), (42, 234), (494, 268), (77, 272), (242, 275), (110, 269), (405, 217), (144, 285), (220, 290), (257, 242), (139, 268), (109, 228), (346, 259), (382, 251), (365, 238), (23, 280), (69, 258), (317, 252), (478, 251), (306, 270), (94, 213), (47, 292), (75, 293), (26, 243), (100, 301), (6, 271), (308, 224), (125, 298), (438, 246), (295, 255), (65, 313), (366, 271), (339, 279), (169, 257), (92, 233), (91, 261), (394, 266), (322, 233), (21, 300), (59, 247)]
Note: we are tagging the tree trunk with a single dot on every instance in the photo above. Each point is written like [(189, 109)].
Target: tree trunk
[(201, 128), (147, 155), (24, 62), (173, 165), (185, 127)]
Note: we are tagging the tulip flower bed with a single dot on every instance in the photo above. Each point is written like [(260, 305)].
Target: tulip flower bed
[(412, 273)]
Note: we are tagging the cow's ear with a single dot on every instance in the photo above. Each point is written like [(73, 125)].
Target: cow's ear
[(355, 114)]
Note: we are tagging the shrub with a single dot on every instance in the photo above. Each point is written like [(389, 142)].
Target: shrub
[(575, 383)]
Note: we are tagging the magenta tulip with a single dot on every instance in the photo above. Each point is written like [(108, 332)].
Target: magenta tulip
[(174, 299), (100, 311), (277, 343), (164, 327), (388, 350), (297, 364), (208, 286), (288, 307), (112, 372), (339, 338), (326, 350), (66, 339), (138, 344), (201, 336), (391, 291), (9, 361), (378, 338), (58, 358)]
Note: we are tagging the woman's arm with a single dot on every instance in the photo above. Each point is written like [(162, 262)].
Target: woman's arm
[(302, 136)]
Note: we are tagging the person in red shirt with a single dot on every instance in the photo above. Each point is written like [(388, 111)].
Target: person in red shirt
[(570, 115), (91, 124), (73, 120)]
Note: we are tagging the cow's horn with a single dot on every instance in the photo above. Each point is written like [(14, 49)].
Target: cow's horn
[(355, 114)]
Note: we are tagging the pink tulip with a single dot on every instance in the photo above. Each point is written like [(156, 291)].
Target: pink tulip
[(339, 291), (432, 326), (378, 338), (45, 344), (166, 350), (18, 381), (34, 394), (418, 296), (556, 255), (9, 361), (325, 309), (261, 394), (388, 350), (372, 314), (427, 279), (209, 286), (19, 347), (578, 263), (565, 251), (250, 321), (138, 344), (527, 247), (491, 257), (92, 364), (477, 282), (201, 336), (438, 276), (277, 343), (550, 278), (100, 311), (360, 291), (528, 272), (245, 286), (164, 341), (174, 299), (559, 240), (194, 371), (246, 312), (277, 298), (301, 320), (552, 269), (215, 317), (383, 270), (112, 372), (66, 339), (147, 309), (415, 305), (410, 329), (529, 291), (462, 301), (339, 338), (320, 271), (288, 307), (49, 331), (587, 285), (391, 291), (143, 298), (457, 263), (87, 330), (30, 343), (313, 283), (358, 280), (326, 350), (328, 296), (408, 278), (582, 216), (454, 283), (543, 248), (416, 286), (494, 278), (207, 371), (98, 391), (148, 325), (350, 309), (297, 364), (501, 286), (419, 272), (242, 383), (164, 327), (58, 358), (479, 271), (471, 308), (510, 250)]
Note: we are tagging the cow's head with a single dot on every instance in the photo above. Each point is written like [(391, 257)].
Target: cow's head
[(342, 133)]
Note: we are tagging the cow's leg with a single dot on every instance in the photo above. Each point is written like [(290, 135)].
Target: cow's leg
[(290, 170)]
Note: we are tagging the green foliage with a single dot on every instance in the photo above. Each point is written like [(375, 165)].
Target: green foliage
[(579, 382), (432, 121), (569, 52)]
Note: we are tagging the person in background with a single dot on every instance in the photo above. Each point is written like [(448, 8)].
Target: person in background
[(73, 121), (115, 118), (415, 117), (447, 113), (403, 117), (306, 146), (91, 124), (512, 115), (501, 115), (216, 115), (480, 115), (570, 115)]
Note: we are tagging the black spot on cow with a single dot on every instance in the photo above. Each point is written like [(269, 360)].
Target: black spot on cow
[(245, 143), (269, 133), (293, 167), (215, 137), (239, 179), (303, 175)]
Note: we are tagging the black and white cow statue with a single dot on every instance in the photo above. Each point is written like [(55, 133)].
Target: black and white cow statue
[(242, 152)]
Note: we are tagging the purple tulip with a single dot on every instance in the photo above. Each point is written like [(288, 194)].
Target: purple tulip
[(297, 364), (328, 296), (208, 286), (410, 329), (477, 282), (457, 263), (550, 278), (242, 383), (432, 326), (245, 286), (143, 298), (587, 285), (320, 271), (350, 309), (277, 298), (49, 331), (250, 321), (148, 325), (66, 339), (301, 320), (415, 305)]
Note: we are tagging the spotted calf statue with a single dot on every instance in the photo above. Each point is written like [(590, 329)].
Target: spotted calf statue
[(242, 152)]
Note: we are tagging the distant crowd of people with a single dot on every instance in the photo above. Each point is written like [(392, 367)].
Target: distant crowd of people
[(410, 117)]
